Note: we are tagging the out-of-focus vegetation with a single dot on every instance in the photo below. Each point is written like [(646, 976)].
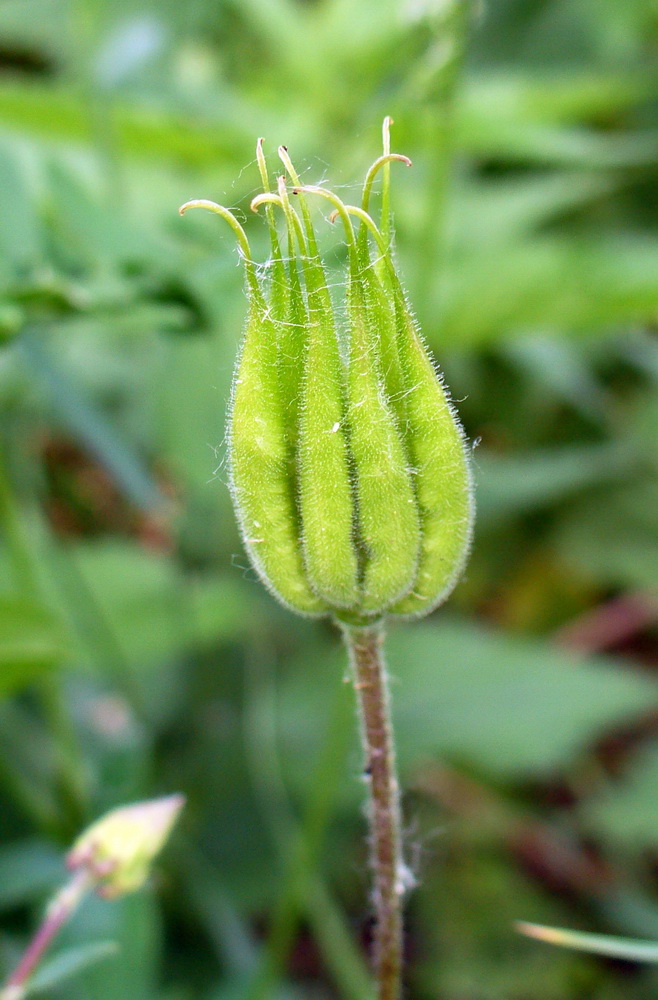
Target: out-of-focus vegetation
[(138, 654)]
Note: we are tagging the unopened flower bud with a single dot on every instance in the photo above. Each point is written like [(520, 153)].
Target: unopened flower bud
[(119, 849), (349, 469)]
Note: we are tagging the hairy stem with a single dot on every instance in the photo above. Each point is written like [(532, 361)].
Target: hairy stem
[(365, 646)]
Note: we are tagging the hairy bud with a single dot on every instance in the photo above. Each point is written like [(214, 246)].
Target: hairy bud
[(349, 468)]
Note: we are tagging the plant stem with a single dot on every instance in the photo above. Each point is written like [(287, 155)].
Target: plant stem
[(370, 681), (60, 910)]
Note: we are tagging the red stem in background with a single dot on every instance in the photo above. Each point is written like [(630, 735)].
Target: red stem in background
[(60, 910)]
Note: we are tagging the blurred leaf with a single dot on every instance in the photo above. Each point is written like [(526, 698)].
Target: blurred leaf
[(87, 422), (541, 118), (553, 98), (138, 595), (68, 964), (55, 112), (548, 284), (625, 813), (28, 870), (97, 230), (595, 944), (505, 210), (152, 610), (612, 536), (509, 485), (20, 236), (506, 706), (133, 924), (217, 610), (31, 643), (560, 367)]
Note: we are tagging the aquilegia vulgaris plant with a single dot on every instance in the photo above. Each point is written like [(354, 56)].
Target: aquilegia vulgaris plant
[(112, 857), (348, 467)]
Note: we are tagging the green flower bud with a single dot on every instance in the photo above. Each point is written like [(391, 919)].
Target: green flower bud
[(118, 850), (348, 466)]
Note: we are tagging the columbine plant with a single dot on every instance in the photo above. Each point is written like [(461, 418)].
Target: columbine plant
[(348, 467), (112, 857)]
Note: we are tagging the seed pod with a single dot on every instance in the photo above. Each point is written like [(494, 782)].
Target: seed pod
[(437, 452), (385, 508), (435, 445), (325, 489), (348, 466), (261, 480)]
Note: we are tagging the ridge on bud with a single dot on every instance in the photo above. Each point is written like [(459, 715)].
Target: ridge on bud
[(348, 466)]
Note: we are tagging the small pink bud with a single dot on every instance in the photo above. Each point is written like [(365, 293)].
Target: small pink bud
[(118, 849)]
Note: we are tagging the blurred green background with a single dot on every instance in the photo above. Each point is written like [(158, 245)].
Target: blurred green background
[(138, 653)]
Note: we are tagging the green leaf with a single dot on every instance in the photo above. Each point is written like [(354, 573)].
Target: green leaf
[(69, 963), (549, 283), (507, 706), (152, 612), (31, 642), (133, 922), (28, 869), (19, 227), (596, 944), (557, 365), (72, 406), (551, 97), (510, 705), (493, 212), (625, 813), (138, 598), (611, 536), (542, 118), (509, 485), (55, 112)]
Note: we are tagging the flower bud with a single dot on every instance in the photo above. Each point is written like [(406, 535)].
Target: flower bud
[(348, 466), (119, 849)]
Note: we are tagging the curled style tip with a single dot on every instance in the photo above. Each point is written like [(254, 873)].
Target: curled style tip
[(381, 161), (240, 235), (266, 198), (210, 206)]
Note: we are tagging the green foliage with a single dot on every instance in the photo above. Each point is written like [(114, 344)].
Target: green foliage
[(30, 643), (67, 964), (28, 869), (625, 813), (507, 707), (596, 944), (137, 654)]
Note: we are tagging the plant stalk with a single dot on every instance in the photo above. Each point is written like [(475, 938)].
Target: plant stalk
[(60, 909), (365, 646)]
